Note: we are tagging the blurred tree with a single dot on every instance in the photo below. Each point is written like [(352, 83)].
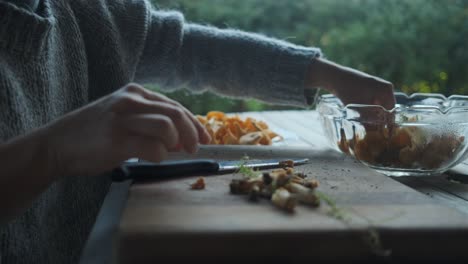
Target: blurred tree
[(419, 45)]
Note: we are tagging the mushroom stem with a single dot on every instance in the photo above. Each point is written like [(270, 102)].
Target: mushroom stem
[(303, 194), (283, 199)]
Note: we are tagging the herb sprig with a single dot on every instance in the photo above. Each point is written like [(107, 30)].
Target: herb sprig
[(245, 170), (371, 237)]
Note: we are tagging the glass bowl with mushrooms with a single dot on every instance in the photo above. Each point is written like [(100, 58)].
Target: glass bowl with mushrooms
[(425, 134)]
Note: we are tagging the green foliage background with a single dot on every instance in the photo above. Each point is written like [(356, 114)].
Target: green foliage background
[(419, 45)]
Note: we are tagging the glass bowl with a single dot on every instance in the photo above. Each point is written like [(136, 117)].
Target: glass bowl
[(425, 134)]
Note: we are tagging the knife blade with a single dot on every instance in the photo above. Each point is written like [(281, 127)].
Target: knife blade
[(142, 170)]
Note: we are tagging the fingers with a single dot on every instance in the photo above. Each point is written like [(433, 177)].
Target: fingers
[(369, 91), (145, 148), (154, 126), (204, 136), (356, 87), (384, 95), (130, 102), (176, 122)]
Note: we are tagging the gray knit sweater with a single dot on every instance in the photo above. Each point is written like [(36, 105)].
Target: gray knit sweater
[(70, 52)]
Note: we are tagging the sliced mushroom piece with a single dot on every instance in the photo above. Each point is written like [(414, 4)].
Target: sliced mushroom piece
[(252, 138), (303, 194), (283, 199)]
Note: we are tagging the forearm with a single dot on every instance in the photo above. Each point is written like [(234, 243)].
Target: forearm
[(321, 74), (26, 172), (350, 85), (230, 62), (327, 74)]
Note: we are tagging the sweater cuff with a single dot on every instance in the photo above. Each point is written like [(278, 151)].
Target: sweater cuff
[(287, 77)]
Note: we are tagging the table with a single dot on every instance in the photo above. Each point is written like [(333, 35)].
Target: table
[(418, 218)]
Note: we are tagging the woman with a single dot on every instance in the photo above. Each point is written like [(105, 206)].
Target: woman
[(69, 112)]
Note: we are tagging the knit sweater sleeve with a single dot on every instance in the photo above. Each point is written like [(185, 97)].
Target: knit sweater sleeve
[(226, 61)]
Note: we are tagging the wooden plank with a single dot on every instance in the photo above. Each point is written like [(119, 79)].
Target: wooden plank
[(442, 188), (165, 218), (434, 188), (444, 183), (165, 213)]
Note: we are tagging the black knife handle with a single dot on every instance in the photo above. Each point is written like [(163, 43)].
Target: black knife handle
[(141, 171)]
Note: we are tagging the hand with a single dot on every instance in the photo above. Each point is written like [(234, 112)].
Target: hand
[(350, 85), (131, 122)]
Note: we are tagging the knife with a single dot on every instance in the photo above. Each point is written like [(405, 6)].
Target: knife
[(143, 170)]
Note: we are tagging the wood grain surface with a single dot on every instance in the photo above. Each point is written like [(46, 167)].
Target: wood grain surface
[(165, 219)]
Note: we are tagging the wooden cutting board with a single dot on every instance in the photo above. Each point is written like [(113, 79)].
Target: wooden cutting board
[(166, 219)]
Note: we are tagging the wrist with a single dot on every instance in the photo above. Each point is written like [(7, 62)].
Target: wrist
[(321, 74), (26, 172), (46, 155), (32, 154)]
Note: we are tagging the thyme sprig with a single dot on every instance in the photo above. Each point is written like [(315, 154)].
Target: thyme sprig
[(245, 170), (334, 211), (371, 237)]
